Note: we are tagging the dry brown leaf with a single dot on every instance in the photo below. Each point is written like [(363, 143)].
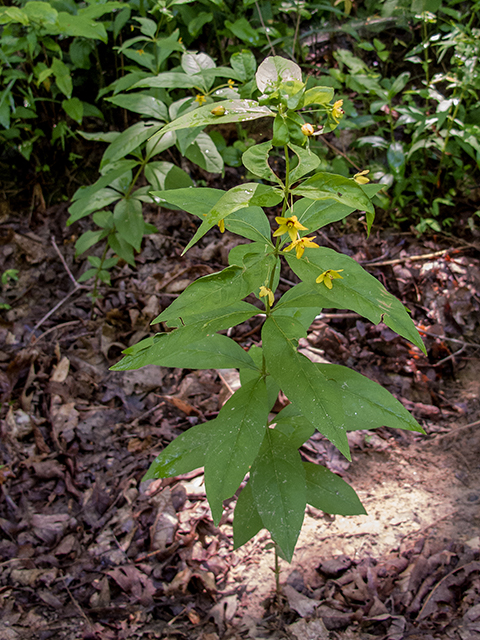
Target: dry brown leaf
[(64, 418), (305, 607), (194, 617), (223, 611), (60, 372), (50, 527), (163, 529), (313, 630)]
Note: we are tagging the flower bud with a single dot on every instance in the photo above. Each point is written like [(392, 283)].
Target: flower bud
[(219, 110), (308, 129)]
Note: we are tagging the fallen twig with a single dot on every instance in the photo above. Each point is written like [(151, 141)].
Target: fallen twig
[(55, 328), (454, 432), (444, 337), (425, 256), (76, 287)]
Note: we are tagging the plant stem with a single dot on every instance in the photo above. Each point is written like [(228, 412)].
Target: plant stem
[(297, 28), (95, 284), (278, 591), (265, 28), (425, 55)]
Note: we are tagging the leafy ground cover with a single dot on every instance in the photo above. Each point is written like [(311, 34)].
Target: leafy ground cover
[(89, 552)]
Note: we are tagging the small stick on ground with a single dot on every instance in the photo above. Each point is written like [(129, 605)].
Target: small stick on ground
[(425, 256), (76, 287)]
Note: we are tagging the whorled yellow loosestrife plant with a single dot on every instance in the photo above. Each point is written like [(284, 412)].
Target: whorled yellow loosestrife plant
[(330, 398)]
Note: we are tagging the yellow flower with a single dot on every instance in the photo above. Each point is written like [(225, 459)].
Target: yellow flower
[(221, 226), (308, 129), (361, 178), (201, 99), (300, 245), (290, 226), (231, 83), (266, 292), (140, 52), (219, 110), (337, 111), (327, 276)]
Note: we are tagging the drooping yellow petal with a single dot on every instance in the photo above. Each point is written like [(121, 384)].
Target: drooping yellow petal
[(266, 292), (337, 111), (221, 226), (361, 177)]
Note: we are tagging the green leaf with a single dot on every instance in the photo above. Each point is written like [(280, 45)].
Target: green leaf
[(235, 111), (367, 405), (188, 349), (244, 64), (200, 20), (239, 432), (195, 63), (184, 454), (275, 70), (258, 261), (279, 490), (249, 194), (78, 25), (85, 206), (255, 159), (172, 80), (62, 77), (242, 29), (40, 12), (329, 186), (88, 239), (89, 273), (97, 10), (281, 135), (129, 221), (158, 144), (100, 136), (122, 248), (148, 27), (166, 46), (217, 319), (302, 382), (128, 141), (307, 161), (195, 200), (214, 291), (165, 175), (203, 153), (318, 95), (13, 14), (396, 158), (246, 375), (142, 103), (293, 425), (315, 214), (73, 108), (357, 290), (107, 179), (251, 223), (331, 494), (246, 520)]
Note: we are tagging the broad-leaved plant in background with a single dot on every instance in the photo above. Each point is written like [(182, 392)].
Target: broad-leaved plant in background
[(243, 440)]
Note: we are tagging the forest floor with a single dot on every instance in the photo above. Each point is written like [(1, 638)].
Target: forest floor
[(88, 551)]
